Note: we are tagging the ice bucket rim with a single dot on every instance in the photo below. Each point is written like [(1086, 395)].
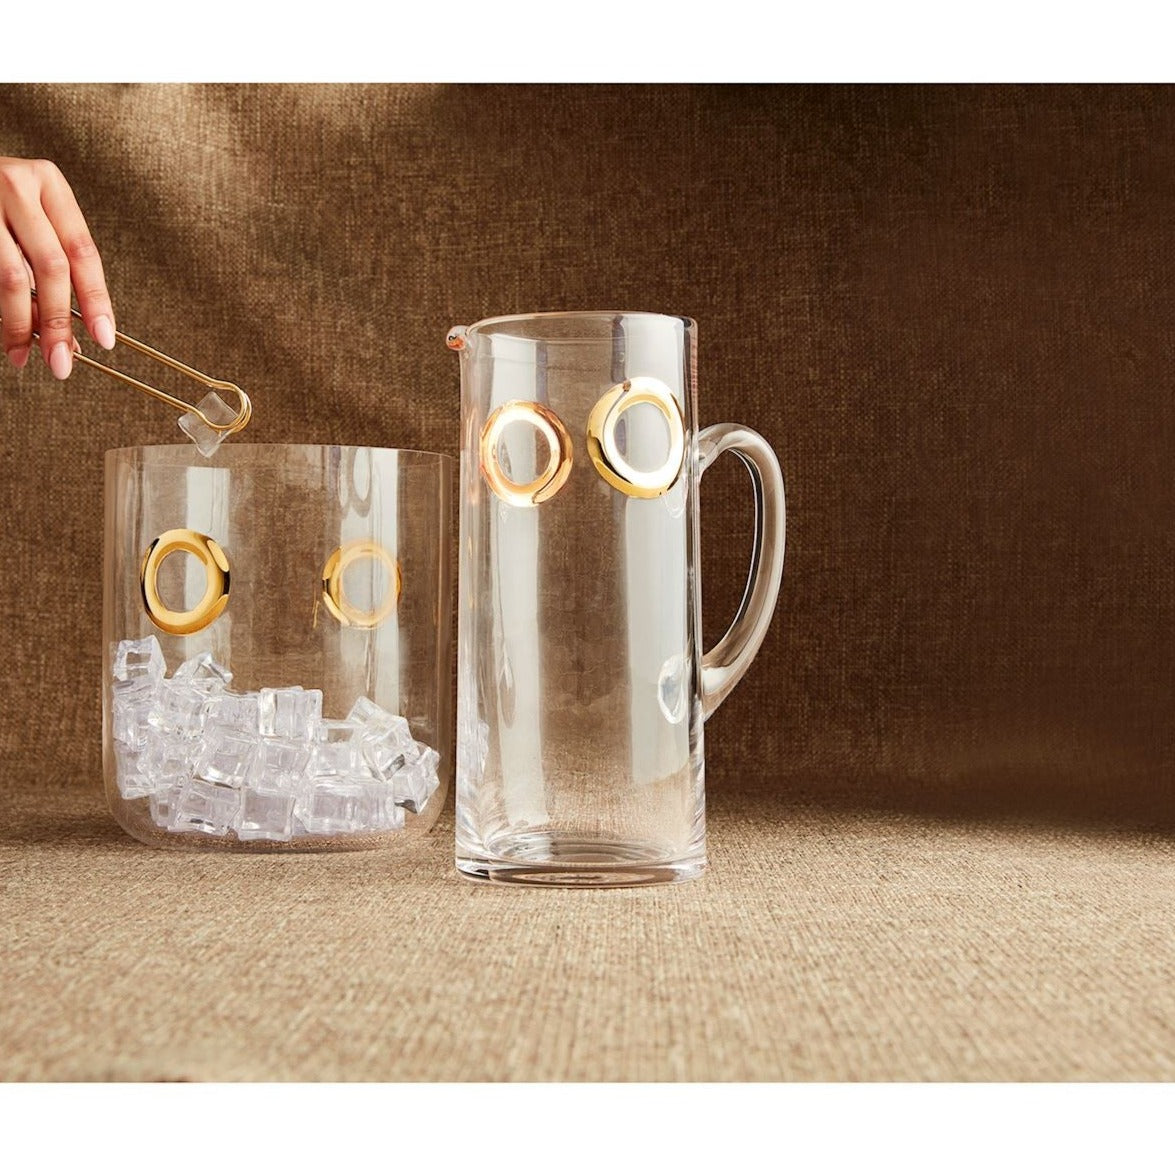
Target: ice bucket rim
[(186, 454)]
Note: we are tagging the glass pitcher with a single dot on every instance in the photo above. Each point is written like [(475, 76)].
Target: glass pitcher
[(582, 687)]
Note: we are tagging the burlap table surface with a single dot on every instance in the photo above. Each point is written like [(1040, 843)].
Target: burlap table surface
[(940, 800), (819, 946)]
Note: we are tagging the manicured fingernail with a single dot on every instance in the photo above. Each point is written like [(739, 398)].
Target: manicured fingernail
[(104, 332), (18, 356), (61, 360)]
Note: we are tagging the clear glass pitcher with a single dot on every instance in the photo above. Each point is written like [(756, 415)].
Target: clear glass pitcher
[(582, 688)]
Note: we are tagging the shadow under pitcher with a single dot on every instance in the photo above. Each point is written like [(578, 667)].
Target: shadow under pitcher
[(582, 687)]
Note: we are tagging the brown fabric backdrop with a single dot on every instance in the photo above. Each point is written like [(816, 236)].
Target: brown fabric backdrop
[(947, 308)]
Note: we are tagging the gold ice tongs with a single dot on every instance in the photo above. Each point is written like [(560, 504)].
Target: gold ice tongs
[(244, 410)]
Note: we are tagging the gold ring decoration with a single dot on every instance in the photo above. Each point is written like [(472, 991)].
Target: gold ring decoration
[(554, 432), (605, 453), (336, 600), (216, 576)]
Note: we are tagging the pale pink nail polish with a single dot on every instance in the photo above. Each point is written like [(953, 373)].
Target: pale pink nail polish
[(104, 332), (60, 360), (18, 356)]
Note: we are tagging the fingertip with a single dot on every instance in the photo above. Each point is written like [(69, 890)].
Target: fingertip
[(102, 332), (61, 360)]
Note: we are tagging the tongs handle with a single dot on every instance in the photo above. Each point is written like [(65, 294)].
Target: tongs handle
[(244, 410)]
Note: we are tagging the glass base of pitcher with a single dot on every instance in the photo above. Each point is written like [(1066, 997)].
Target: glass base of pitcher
[(545, 859)]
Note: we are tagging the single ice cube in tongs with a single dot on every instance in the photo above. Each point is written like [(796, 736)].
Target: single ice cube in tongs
[(206, 439)]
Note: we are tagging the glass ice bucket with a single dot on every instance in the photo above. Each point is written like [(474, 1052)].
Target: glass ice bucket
[(277, 645), (582, 684)]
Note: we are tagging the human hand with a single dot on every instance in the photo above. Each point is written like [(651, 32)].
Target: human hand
[(44, 243)]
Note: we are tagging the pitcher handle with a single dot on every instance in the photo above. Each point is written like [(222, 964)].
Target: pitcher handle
[(729, 659)]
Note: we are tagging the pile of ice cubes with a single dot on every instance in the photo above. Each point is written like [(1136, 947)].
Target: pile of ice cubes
[(263, 765)]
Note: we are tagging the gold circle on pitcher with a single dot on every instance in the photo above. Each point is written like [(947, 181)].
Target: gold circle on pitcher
[(335, 598), (559, 457), (216, 576), (605, 453)]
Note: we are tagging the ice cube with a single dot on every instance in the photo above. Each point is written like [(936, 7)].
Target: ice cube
[(227, 757), (385, 738), (203, 672), (337, 751), (206, 439), (338, 806), (205, 807), (291, 712), (367, 714), (163, 805), (386, 814), (139, 661), (413, 785), (229, 711), (266, 814), (130, 711), (170, 759), (280, 764), (133, 781), (178, 709)]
